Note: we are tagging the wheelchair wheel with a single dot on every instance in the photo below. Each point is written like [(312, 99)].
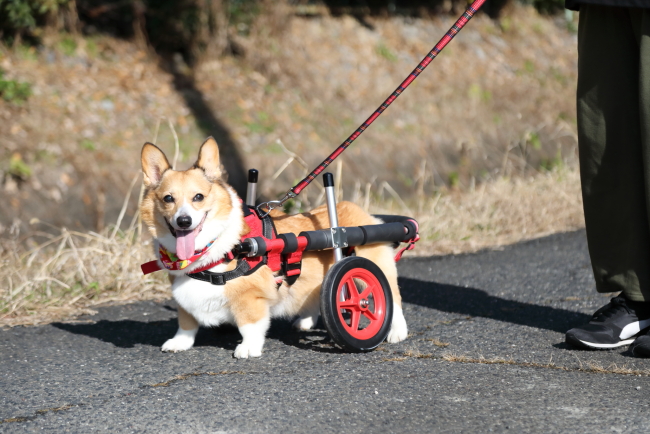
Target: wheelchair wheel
[(356, 304)]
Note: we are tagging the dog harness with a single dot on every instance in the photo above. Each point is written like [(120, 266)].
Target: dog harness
[(288, 266)]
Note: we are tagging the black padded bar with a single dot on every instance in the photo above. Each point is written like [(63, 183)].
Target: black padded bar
[(407, 221), (398, 230), (386, 232), (412, 230), (290, 242), (356, 236), (318, 240)]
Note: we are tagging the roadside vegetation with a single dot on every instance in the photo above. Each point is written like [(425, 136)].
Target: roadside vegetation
[(481, 149), (72, 271)]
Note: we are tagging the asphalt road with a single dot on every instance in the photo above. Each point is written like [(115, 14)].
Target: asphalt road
[(506, 368)]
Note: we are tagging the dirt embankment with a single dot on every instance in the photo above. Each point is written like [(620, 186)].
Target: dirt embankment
[(497, 102), (480, 149)]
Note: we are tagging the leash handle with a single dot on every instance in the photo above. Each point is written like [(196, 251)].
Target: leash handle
[(453, 31)]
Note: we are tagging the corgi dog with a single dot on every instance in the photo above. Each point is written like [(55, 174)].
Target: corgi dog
[(194, 210)]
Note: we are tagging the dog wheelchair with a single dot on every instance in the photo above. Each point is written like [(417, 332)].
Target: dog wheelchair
[(355, 300), (356, 303)]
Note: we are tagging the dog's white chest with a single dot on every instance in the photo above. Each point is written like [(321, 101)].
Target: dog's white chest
[(204, 301)]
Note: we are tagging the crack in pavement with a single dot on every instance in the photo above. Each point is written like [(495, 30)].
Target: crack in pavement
[(193, 374), (38, 413)]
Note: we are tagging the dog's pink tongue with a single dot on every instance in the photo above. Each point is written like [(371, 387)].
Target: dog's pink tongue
[(185, 244)]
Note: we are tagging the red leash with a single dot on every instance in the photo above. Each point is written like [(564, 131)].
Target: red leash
[(453, 31)]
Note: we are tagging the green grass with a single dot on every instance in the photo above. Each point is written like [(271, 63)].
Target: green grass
[(88, 145), (27, 52), (262, 125), (385, 52), (68, 45), (14, 91), (475, 91), (533, 139), (18, 168)]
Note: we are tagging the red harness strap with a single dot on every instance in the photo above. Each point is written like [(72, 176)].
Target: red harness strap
[(290, 263), (152, 266), (411, 242), (256, 226), (229, 257)]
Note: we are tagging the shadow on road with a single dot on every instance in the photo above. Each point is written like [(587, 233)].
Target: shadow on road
[(128, 333), (478, 303), (211, 126)]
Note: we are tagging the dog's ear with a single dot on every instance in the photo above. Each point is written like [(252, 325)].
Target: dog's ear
[(208, 159), (154, 164)]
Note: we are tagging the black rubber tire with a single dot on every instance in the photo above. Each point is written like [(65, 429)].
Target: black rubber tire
[(330, 314)]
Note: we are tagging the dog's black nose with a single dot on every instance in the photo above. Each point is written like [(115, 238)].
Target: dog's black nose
[(184, 221)]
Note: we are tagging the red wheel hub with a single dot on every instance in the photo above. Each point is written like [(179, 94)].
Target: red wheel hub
[(361, 303)]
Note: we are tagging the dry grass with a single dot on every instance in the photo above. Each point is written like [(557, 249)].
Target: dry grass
[(591, 367), (393, 359), (39, 413), (437, 342), (418, 355), (498, 213), (69, 273), (72, 271), (193, 374)]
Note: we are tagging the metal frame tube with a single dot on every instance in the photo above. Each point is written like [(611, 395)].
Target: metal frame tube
[(330, 195)]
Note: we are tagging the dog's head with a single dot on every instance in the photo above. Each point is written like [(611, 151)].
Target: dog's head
[(185, 210)]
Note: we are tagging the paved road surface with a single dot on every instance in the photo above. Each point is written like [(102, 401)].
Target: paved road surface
[(505, 368)]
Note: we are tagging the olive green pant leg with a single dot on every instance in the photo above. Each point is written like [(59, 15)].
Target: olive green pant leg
[(641, 23), (613, 141)]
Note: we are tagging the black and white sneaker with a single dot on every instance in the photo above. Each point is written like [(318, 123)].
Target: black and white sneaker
[(641, 346), (612, 326)]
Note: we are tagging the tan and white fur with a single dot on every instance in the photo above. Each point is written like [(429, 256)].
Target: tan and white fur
[(248, 302)]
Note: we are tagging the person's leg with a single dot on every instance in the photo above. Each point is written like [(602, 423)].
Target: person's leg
[(611, 156), (613, 168), (641, 23)]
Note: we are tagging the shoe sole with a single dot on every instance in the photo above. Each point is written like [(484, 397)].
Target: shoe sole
[(594, 346)]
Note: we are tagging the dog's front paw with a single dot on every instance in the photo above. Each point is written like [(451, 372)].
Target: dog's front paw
[(398, 329), (244, 351), (180, 342)]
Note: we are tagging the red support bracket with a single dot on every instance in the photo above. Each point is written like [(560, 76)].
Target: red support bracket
[(292, 262)]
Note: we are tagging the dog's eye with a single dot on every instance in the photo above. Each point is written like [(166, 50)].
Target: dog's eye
[(198, 197), (168, 198)]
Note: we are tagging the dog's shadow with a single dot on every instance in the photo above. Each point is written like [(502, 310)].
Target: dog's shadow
[(127, 333), (316, 339)]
